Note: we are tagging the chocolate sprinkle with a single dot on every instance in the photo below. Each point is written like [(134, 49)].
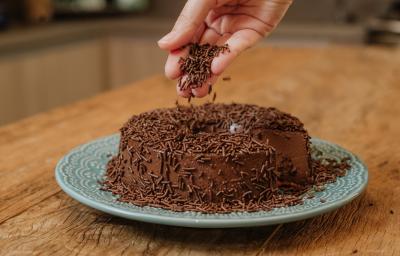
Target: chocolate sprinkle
[(186, 159), (214, 97), (197, 65)]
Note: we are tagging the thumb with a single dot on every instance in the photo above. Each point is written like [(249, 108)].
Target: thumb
[(190, 19)]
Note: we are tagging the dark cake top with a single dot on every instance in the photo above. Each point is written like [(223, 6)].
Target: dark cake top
[(226, 129)]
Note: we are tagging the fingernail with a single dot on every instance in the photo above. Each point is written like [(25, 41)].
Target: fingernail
[(167, 37)]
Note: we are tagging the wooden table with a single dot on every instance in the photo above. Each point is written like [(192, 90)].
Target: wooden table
[(350, 96)]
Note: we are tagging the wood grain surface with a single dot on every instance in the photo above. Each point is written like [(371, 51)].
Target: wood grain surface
[(347, 95)]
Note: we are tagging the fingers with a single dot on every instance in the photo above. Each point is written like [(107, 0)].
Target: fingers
[(183, 93), (172, 68), (188, 28), (190, 19), (202, 91), (223, 39), (199, 92), (210, 36), (237, 43)]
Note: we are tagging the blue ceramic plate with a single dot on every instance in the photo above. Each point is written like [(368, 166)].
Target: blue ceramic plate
[(79, 171)]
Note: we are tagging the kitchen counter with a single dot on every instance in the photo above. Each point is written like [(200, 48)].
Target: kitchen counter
[(347, 95)]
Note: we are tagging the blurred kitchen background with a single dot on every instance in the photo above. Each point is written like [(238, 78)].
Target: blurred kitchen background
[(54, 52)]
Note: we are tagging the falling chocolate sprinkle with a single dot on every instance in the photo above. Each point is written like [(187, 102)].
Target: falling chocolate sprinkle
[(191, 95)]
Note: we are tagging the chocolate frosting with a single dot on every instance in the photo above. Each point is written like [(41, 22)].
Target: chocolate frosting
[(211, 158)]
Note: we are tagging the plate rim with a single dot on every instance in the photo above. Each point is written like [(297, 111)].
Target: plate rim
[(215, 222)]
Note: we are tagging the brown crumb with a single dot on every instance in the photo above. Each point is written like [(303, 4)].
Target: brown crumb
[(355, 251), (370, 204), (226, 78), (391, 212)]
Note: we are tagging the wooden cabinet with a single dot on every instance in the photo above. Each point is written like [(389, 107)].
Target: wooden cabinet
[(12, 98), (42, 79), (39, 79), (132, 59)]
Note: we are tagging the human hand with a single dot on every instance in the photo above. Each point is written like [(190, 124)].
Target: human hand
[(238, 23)]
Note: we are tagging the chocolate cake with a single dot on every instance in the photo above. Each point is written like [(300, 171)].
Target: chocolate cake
[(213, 158)]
